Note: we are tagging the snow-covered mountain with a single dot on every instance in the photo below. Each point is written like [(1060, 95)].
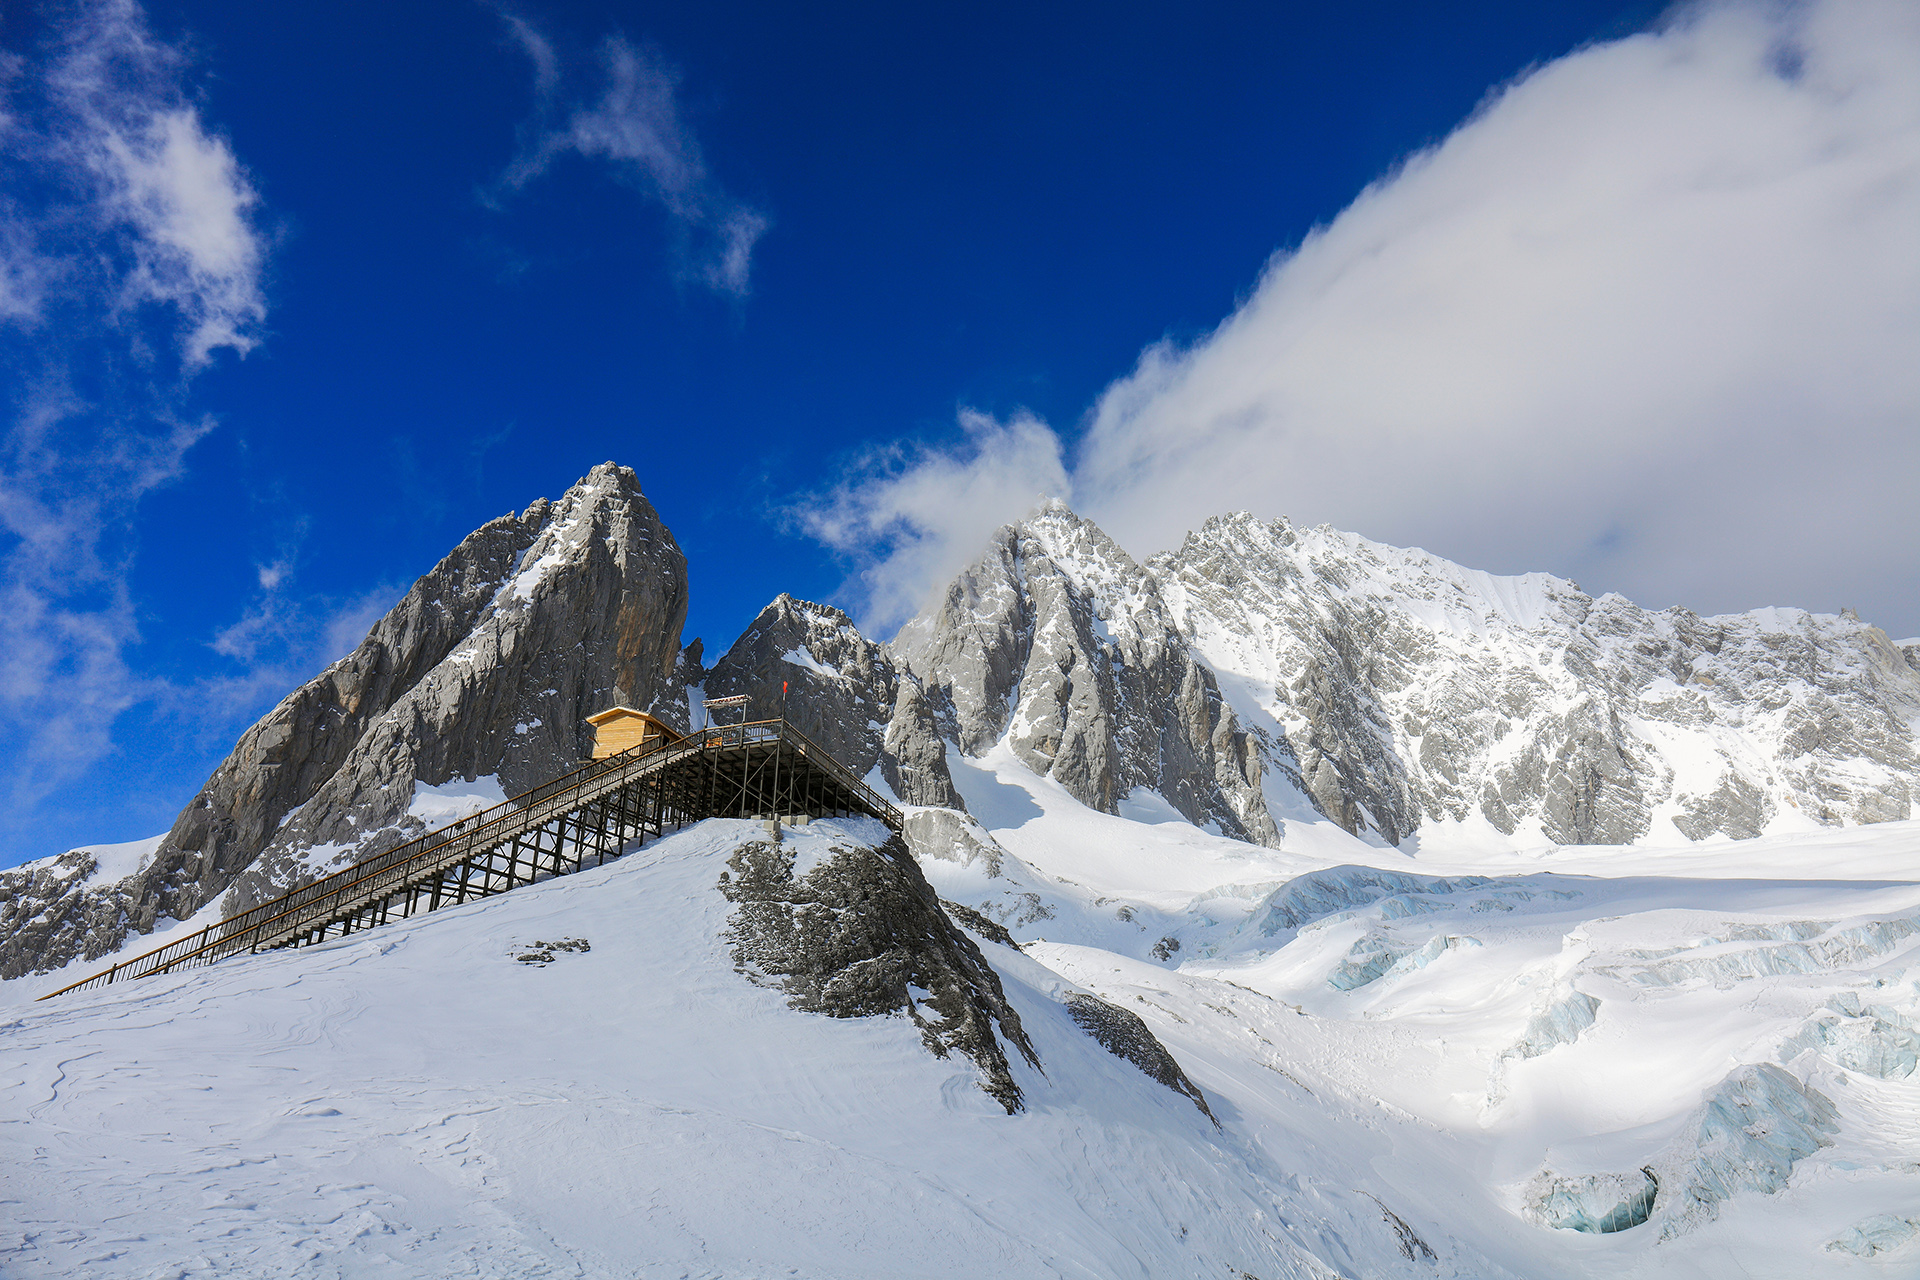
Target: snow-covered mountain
[(1411, 693), (1261, 671), (1287, 905), (1056, 642)]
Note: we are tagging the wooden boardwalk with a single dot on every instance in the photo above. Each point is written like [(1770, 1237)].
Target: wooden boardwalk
[(764, 769)]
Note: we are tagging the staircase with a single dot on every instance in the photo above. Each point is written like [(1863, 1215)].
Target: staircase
[(764, 769)]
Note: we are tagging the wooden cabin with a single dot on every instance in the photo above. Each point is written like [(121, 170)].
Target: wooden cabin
[(618, 728)]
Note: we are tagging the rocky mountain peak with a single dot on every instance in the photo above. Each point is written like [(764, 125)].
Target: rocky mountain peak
[(809, 663), (486, 669), (1057, 641)]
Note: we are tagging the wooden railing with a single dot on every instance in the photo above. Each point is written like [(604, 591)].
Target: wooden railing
[(287, 916)]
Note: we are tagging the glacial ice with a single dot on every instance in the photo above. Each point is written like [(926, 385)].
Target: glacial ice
[(1748, 1135), (1875, 1042), (1719, 961), (1882, 1233), (1598, 1203), (1306, 898), (1561, 1022), (1374, 957), (1366, 962)]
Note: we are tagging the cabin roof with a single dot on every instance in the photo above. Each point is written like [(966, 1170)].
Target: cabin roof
[(615, 713)]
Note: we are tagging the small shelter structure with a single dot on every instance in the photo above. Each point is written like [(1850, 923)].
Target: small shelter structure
[(620, 728)]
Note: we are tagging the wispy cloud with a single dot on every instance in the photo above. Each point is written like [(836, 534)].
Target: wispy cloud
[(911, 517), (277, 643), (142, 172), (621, 107), (129, 255), (1646, 319)]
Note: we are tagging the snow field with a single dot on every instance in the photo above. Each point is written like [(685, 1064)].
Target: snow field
[(1445, 1053), (416, 1101)]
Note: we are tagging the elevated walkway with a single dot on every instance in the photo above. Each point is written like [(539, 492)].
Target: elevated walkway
[(764, 769)]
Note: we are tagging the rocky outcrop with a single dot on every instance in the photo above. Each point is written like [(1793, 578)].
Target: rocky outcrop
[(56, 908), (948, 835), (809, 663), (487, 667), (1122, 1033), (913, 758), (1057, 641), (860, 933)]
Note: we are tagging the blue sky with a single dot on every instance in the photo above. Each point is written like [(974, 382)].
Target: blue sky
[(398, 269)]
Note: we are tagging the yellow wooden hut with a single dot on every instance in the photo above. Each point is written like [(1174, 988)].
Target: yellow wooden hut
[(618, 728)]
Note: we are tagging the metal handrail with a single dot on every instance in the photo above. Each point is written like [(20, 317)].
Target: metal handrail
[(462, 839)]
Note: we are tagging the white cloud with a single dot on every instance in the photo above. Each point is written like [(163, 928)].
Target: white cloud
[(1651, 318), (168, 195), (184, 193), (128, 256), (912, 518), (631, 121)]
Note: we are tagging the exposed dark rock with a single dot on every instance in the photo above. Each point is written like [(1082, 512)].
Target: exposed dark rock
[(862, 934), (50, 912), (1405, 1236), (914, 761), (1736, 808), (967, 918), (839, 684), (809, 662), (1122, 1033), (543, 954)]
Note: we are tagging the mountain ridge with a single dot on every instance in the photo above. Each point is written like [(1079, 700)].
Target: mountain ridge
[(1256, 675)]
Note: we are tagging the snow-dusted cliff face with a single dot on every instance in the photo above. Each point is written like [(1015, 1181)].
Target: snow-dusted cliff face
[(485, 670), (809, 662), (1405, 691)]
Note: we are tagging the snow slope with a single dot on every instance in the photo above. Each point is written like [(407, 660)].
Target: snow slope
[(419, 1101), (1421, 1066)]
